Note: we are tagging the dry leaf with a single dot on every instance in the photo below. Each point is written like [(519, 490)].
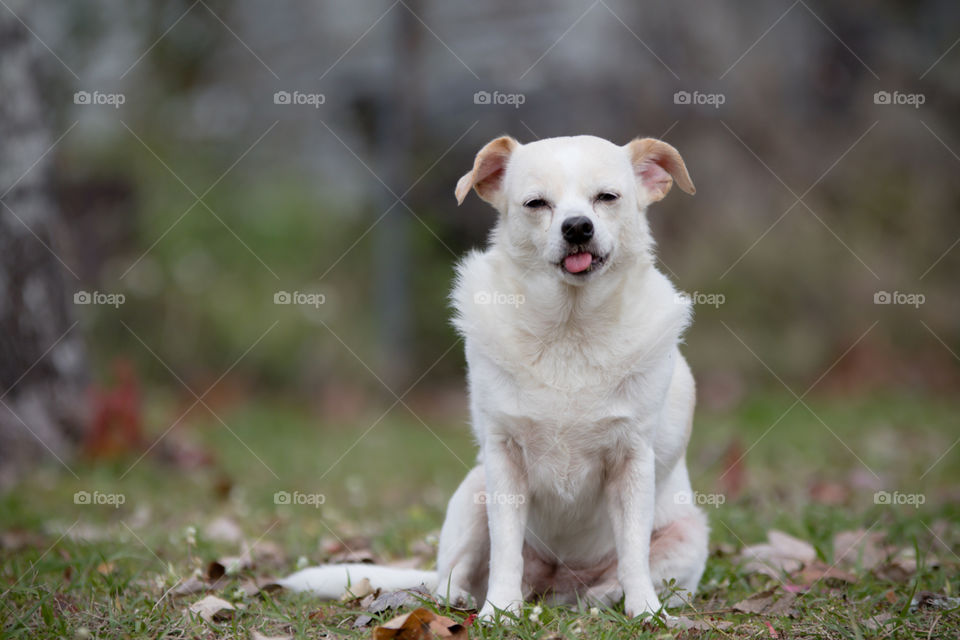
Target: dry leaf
[(386, 601), (930, 600), (396, 600), (256, 635), (18, 539), (733, 480), (223, 529), (832, 493), (358, 590), (757, 603), (189, 586), (268, 554), (781, 553), (856, 548), (817, 571), (859, 548), (420, 624), (251, 588), (362, 621), (212, 609), (877, 622), (767, 603), (682, 622), (229, 565), (105, 568)]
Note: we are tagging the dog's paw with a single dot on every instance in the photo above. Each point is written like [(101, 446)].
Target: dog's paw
[(638, 606), (506, 613), (603, 595), (456, 597)]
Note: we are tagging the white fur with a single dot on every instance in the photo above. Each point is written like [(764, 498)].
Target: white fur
[(580, 399), (331, 581)]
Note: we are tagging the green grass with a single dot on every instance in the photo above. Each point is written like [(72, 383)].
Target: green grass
[(67, 570)]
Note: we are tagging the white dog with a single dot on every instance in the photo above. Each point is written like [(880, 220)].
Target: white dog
[(581, 402)]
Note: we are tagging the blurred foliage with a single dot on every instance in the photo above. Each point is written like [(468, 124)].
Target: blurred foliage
[(297, 211)]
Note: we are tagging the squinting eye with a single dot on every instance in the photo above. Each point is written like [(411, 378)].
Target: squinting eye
[(606, 196), (536, 203)]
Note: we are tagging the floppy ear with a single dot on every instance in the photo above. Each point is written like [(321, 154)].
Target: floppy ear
[(656, 165), (488, 170)]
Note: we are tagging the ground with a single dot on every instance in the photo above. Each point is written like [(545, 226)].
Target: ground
[(102, 569)]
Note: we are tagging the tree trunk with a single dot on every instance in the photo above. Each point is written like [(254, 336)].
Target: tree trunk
[(42, 358)]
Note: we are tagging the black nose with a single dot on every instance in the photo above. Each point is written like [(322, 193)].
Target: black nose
[(577, 230)]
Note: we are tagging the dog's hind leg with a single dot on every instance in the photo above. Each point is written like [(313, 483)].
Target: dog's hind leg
[(463, 557)]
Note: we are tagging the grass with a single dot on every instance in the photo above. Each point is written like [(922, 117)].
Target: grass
[(74, 570)]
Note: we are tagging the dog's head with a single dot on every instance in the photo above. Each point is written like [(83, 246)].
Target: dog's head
[(574, 205)]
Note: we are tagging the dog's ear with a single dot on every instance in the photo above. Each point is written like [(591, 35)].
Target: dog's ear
[(488, 170), (656, 165)]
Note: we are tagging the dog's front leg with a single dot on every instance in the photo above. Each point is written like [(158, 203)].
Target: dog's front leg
[(630, 496), (507, 516)]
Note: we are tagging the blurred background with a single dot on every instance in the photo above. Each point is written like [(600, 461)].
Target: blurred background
[(212, 205)]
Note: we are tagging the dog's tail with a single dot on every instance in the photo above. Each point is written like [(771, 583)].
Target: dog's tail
[(330, 581)]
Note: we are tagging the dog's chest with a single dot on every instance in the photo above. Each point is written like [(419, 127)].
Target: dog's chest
[(568, 439)]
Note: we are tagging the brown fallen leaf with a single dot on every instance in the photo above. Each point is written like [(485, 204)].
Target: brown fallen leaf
[(877, 622), (213, 609), (229, 565), (223, 529), (683, 622), (396, 600), (867, 550), (18, 539), (105, 568), (757, 603), (733, 480), (386, 601), (256, 635), (781, 553), (267, 553), (859, 548), (832, 493), (189, 586), (896, 571), (931, 600), (817, 571), (420, 624), (361, 589), (768, 603)]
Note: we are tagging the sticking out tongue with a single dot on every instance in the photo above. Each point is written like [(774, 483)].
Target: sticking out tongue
[(578, 262)]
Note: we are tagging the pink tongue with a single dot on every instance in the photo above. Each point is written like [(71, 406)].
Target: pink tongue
[(578, 262)]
